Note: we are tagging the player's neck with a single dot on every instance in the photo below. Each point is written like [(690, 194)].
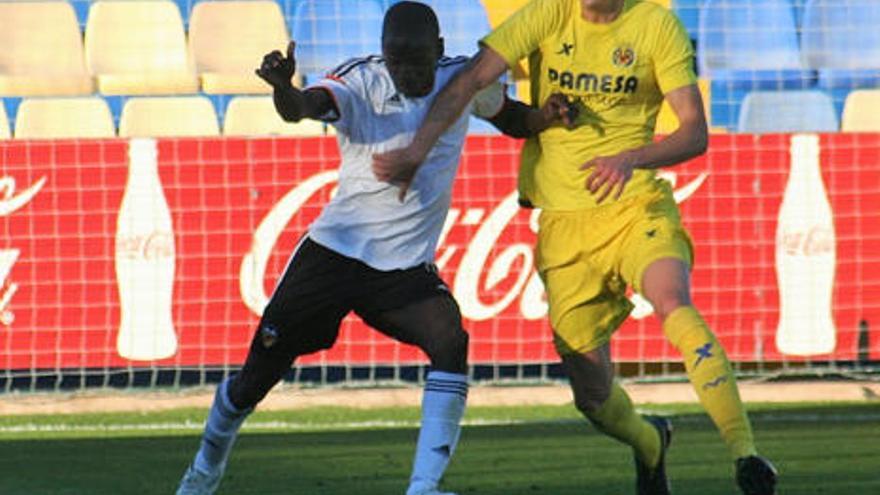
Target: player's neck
[(601, 11)]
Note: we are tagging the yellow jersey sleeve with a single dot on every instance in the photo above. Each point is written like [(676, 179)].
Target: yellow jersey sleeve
[(674, 58), (523, 32)]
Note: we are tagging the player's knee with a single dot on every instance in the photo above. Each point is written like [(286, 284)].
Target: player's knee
[(588, 403), (448, 352), (666, 303), (244, 393)]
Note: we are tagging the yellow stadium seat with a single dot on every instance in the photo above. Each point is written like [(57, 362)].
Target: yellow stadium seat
[(138, 47), (256, 116), (4, 123), (42, 50), (227, 41), (667, 122), (168, 116), (861, 111), (58, 118)]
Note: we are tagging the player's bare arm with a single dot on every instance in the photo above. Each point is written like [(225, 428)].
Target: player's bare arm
[(611, 173), (292, 104), (516, 119), (399, 166)]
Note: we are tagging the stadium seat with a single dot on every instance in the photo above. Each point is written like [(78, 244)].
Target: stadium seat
[(747, 45), (861, 111), (4, 122), (256, 116), (168, 116), (329, 32), (227, 41), (462, 24), (841, 39), (42, 50), (58, 118), (138, 48), (787, 111), (689, 13)]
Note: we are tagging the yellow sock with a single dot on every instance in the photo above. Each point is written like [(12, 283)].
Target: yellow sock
[(618, 419), (712, 377)]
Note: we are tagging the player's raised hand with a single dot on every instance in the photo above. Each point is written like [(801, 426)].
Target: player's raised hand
[(397, 167), (276, 69), (610, 174)]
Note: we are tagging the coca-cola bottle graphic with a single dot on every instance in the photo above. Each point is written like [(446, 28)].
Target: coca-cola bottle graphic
[(145, 260), (805, 256)]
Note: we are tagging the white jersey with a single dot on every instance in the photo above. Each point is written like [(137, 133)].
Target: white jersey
[(365, 220)]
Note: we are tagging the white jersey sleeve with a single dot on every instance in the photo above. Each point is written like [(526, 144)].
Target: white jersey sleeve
[(346, 86)]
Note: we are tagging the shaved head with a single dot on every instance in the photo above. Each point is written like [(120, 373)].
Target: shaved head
[(410, 19)]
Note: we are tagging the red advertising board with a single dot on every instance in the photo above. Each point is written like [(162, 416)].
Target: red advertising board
[(81, 271)]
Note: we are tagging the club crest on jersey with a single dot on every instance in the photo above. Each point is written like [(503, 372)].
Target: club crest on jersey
[(268, 335), (623, 57)]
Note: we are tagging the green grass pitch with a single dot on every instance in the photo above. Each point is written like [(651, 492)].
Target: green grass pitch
[(819, 449)]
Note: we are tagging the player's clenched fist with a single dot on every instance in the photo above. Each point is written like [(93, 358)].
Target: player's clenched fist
[(276, 69)]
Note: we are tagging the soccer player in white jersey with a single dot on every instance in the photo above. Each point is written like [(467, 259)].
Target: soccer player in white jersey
[(371, 250)]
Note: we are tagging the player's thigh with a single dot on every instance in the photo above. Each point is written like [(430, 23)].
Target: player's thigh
[(427, 322), (586, 299), (658, 235), (309, 302)]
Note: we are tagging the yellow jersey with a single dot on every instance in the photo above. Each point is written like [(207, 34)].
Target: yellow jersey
[(615, 73)]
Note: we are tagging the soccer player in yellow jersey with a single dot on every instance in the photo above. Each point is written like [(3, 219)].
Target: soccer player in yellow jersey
[(607, 221)]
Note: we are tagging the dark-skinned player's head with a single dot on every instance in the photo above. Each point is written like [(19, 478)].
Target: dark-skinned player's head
[(411, 45)]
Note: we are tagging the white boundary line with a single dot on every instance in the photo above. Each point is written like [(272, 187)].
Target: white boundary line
[(292, 426)]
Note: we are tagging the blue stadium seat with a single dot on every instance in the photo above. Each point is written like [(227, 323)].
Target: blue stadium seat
[(841, 39), (462, 24), (747, 45), (689, 13), (787, 111), (328, 32)]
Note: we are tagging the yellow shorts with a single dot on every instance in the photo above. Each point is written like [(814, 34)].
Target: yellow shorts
[(588, 258)]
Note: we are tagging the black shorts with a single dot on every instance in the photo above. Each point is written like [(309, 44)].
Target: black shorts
[(320, 287)]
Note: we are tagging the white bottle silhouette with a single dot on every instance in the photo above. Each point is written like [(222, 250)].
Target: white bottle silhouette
[(145, 260), (805, 256)]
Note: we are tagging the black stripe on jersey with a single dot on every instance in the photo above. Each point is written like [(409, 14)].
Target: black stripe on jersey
[(447, 61), (351, 64)]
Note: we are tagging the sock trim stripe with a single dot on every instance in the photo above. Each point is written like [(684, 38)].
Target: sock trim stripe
[(447, 383), (451, 382), (444, 391)]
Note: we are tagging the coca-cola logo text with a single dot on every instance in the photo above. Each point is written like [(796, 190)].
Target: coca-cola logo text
[(9, 203), (491, 274), (815, 241), (155, 245)]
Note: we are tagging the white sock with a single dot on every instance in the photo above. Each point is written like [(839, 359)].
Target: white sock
[(442, 408), (221, 428)]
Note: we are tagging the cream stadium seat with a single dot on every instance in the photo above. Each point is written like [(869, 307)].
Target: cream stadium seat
[(4, 123), (58, 118), (227, 41), (168, 116), (256, 116), (138, 47), (42, 50), (861, 111)]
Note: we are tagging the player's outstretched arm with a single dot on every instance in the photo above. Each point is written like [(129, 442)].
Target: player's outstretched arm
[(292, 104), (516, 119), (399, 166)]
